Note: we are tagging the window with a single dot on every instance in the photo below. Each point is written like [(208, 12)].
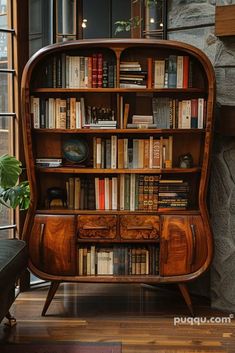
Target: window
[(61, 20), (100, 17), (40, 24), (7, 106)]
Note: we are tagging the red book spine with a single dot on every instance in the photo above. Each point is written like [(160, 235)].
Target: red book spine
[(150, 72), (89, 72), (100, 70), (94, 70), (101, 194), (185, 71)]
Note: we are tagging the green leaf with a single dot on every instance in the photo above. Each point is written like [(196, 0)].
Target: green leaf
[(10, 169), (18, 195)]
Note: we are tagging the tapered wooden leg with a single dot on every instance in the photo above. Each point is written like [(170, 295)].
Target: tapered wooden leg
[(50, 295), (11, 320), (185, 293)]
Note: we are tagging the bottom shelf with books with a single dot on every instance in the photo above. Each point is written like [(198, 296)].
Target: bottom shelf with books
[(118, 260)]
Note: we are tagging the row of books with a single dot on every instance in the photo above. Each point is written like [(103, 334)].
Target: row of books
[(173, 194), (112, 153), (132, 192), (67, 71), (140, 192), (182, 114), (172, 72), (96, 71), (80, 193), (118, 260), (70, 113)]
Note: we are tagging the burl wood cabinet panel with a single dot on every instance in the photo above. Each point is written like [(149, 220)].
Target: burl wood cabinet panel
[(52, 244), (92, 227), (183, 246), (139, 227)]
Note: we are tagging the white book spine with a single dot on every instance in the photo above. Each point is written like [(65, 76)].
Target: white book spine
[(35, 109), (132, 193), (186, 114), (114, 193), (78, 115), (122, 191), (179, 82), (159, 73), (92, 260), (200, 112), (126, 161), (88, 263), (113, 152), (51, 113)]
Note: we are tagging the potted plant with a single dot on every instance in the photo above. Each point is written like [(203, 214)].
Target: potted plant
[(12, 193)]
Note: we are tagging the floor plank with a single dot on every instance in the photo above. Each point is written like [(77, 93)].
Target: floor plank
[(140, 317)]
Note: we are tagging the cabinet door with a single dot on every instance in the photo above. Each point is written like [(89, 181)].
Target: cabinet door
[(52, 244), (183, 245)]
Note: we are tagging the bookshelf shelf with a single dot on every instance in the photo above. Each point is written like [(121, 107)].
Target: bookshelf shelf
[(65, 211), (72, 170), (119, 90), (106, 220), (119, 131)]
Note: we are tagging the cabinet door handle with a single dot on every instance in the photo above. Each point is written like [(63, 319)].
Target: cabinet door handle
[(193, 232), (41, 241), (95, 228), (139, 227)]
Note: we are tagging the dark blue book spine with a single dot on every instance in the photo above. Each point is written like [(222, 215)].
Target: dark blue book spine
[(172, 71)]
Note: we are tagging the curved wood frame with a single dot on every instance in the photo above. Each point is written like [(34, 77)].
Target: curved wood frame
[(118, 45)]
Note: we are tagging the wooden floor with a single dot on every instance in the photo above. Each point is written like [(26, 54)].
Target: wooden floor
[(139, 317)]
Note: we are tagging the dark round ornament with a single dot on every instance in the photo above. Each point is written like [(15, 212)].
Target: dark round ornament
[(75, 150)]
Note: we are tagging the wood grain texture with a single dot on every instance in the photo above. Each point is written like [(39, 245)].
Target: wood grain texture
[(52, 244), (139, 227), (139, 317), (92, 227), (183, 245), (225, 20), (175, 246)]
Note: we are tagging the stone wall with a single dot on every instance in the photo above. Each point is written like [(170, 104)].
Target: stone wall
[(193, 22)]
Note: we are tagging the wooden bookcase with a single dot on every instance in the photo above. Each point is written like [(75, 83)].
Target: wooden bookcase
[(155, 231)]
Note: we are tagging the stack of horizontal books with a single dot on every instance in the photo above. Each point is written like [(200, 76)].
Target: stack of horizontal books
[(132, 75)]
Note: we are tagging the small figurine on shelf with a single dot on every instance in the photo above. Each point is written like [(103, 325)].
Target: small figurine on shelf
[(56, 197), (186, 161)]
